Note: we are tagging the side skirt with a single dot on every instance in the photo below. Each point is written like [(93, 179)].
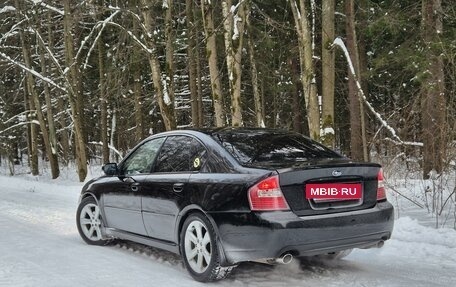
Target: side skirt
[(165, 245)]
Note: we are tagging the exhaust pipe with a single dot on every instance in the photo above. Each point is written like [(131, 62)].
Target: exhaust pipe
[(284, 259), (380, 244)]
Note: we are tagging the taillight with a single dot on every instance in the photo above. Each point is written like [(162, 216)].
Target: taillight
[(267, 195), (381, 193)]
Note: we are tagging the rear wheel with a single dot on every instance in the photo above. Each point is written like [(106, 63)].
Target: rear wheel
[(89, 222), (199, 250)]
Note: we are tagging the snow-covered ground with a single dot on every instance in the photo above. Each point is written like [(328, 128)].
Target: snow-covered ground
[(40, 246)]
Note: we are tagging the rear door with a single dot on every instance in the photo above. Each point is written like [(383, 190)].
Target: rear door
[(179, 157), (122, 199)]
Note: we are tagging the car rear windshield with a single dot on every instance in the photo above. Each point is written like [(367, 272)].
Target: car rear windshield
[(257, 147)]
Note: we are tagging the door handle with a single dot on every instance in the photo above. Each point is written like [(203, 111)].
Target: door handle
[(134, 186), (178, 187)]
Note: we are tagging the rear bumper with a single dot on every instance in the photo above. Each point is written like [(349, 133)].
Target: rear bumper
[(264, 235)]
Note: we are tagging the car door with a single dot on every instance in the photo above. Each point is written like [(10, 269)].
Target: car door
[(122, 201), (179, 157)]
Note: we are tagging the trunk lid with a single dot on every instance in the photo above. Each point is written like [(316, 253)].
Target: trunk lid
[(293, 183)]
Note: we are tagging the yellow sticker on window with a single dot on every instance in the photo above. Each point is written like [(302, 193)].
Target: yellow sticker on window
[(196, 162)]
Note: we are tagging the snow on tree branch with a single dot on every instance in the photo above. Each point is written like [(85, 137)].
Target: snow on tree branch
[(109, 146), (103, 25), (52, 8), (33, 72), (20, 124), (7, 9), (340, 43)]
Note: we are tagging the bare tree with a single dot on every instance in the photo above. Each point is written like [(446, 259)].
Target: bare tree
[(74, 91), (165, 102), (328, 72), (433, 103), (308, 79), (234, 24), (207, 10)]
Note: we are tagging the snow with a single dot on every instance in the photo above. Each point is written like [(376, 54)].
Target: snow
[(33, 72), (52, 8), (340, 43), (40, 246), (7, 9)]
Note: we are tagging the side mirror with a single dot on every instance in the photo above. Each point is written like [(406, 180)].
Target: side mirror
[(110, 168)]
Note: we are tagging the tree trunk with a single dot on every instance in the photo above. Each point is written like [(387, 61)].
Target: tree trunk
[(32, 135), (433, 103), (308, 79), (103, 103), (74, 92), (191, 51), (297, 96), (50, 152), (328, 73), (53, 154), (211, 53), (140, 131), (168, 81), (165, 103), (64, 138), (259, 114), (234, 23), (356, 138)]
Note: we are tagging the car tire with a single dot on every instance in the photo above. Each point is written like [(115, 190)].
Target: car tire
[(89, 222), (199, 249)]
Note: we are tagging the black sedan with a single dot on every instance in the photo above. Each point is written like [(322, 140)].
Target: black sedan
[(223, 196)]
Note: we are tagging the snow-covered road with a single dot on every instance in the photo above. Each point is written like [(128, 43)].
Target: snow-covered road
[(40, 246)]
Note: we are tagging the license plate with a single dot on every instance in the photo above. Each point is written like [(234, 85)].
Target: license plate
[(321, 192)]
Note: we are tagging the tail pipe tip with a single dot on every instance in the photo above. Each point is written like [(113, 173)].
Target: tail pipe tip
[(285, 259)]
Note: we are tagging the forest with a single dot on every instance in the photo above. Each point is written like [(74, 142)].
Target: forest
[(83, 81)]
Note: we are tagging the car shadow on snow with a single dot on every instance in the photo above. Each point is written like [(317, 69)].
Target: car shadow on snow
[(298, 269)]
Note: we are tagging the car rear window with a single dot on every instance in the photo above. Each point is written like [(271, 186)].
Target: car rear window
[(254, 147)]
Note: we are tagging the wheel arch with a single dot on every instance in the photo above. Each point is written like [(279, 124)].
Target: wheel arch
[(97, 200), (184, 214)]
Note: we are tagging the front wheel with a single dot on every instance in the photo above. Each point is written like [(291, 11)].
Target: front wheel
[(89, 222), (199, 250)]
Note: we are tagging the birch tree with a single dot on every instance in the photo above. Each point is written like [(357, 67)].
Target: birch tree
[(234, 24)]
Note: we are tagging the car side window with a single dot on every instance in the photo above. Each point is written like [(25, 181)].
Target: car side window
[(142, 159), (180, 154)]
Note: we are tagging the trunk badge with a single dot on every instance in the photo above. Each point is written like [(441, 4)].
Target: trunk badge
[(336, 173)]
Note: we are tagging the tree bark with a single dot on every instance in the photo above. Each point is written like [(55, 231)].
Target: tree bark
[(103, 102), (433, 103), (74, 92), (53, 154), (308, 79), (234, 24), (50, 152), (358, 149), (259, 114), (297, 96), (192, 73), (32, 135), (328, 73), (140, 131), (165, 103), (211, 53)]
